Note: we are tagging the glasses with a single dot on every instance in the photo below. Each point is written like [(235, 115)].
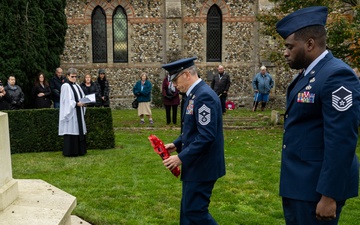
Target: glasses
[(73, 76), (176, 78)]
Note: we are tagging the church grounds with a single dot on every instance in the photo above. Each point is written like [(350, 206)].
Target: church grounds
[(129, 185)]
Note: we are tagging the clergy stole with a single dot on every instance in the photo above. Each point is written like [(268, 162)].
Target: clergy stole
[(78, 110)]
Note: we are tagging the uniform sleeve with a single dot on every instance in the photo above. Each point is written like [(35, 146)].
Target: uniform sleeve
[(340, 108), (206, 114)]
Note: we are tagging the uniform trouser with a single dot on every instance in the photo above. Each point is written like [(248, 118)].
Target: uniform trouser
[(303, 212), (195, 203)]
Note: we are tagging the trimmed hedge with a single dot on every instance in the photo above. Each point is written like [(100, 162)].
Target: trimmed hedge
[(36, 130)]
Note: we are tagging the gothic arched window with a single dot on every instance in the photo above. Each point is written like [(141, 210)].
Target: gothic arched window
[(120, 34), (214, 34), (98, 28)]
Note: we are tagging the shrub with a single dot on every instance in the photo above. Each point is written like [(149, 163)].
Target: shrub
[(36, 130)]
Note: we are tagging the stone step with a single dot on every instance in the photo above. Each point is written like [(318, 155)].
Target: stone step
[(40, 203), (78, 221)]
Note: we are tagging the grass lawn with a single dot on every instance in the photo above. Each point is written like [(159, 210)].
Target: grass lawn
[(129, 185)]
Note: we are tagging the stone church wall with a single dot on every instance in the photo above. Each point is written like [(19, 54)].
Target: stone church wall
[(160, 31)]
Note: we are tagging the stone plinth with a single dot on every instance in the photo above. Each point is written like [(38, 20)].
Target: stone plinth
[(8, 186)]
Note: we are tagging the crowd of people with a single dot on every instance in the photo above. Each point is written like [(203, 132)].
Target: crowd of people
[(46, 94)]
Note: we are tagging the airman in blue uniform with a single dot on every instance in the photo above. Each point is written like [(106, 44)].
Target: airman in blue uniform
[(200, 146), (319, 166)]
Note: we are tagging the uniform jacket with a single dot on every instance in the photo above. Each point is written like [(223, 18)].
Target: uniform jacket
[(44, 101), (200, 147), (320, 134), (263, 83), (221, 85), (169, 97), (143, 95)]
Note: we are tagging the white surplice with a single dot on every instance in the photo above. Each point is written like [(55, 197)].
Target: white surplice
[(68, 121)]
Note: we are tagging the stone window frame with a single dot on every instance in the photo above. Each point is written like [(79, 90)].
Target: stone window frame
[(109, 8), (99, 39), (120, 8), (214, 47)]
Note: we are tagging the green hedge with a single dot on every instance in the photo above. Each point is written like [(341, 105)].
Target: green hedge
[(36, 130)]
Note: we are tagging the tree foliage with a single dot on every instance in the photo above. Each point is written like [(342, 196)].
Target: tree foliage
[(32, 39), (343, 27)]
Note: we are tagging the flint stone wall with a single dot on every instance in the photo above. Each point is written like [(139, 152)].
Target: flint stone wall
[(161, 31)]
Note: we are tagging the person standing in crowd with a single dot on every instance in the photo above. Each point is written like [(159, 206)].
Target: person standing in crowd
[(262, 84), (171, 99), (3, 103), (14, 94), (41, 92), (319, 166), (103, 86), (221, 84), (200, 146), (90, 87), (142, 91), (71, 117), (55, 86)]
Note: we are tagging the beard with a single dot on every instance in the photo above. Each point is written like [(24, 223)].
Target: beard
[(299, 61)]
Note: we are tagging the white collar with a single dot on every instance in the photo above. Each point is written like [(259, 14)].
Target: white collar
[(192, 87), (316, 61)]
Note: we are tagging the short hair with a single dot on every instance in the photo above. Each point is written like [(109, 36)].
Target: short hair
[(71, 71), (316, 32), (263, 67), (191, 70)]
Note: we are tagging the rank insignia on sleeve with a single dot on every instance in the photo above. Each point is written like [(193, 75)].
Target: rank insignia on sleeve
[(342, 99), (204, 115)]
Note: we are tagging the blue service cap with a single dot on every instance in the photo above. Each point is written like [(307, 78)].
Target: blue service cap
[(174, 68), (315, 15)]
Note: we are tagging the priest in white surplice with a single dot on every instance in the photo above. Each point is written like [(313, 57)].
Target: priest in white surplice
[(71, 117)]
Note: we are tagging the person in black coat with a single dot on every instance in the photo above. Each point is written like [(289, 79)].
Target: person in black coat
[(89, 87), (104, 88), (55, 86), (221, 84), (14, 95), (41, 92), (3, 103)]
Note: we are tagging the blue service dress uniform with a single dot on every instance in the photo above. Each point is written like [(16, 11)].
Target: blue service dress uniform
[(200, 147), (320, 134)]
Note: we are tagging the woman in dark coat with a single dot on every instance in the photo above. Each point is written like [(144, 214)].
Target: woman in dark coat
[(104, 88), (41, 92), (90, 87)]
